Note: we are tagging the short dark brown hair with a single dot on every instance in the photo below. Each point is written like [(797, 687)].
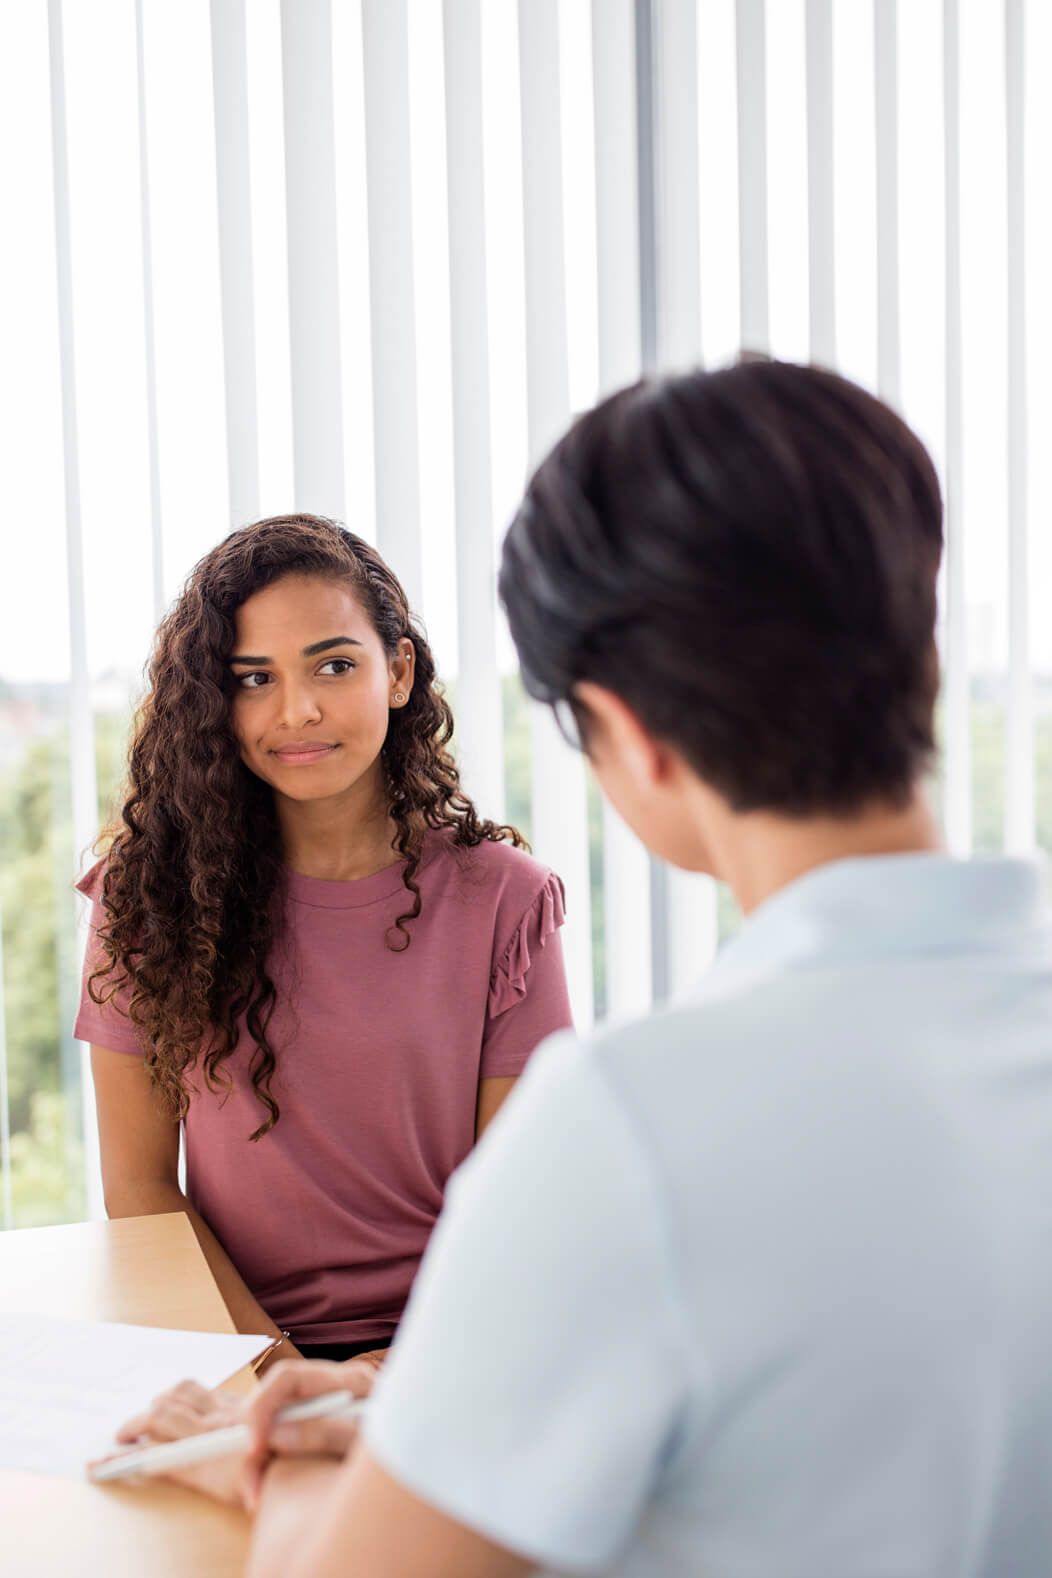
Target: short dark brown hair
[(748, 558)]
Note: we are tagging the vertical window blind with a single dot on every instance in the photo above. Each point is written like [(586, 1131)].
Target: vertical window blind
[(367, 258)]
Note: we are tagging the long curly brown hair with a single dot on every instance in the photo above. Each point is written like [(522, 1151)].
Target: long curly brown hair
[(194, 865)]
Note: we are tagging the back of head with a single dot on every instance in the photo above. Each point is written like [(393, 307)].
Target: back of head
[(748, 559)]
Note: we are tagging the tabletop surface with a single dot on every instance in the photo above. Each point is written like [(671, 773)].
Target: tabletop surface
[(147, 1270)]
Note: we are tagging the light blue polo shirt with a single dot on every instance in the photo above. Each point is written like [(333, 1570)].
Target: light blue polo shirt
[(761, 1286)]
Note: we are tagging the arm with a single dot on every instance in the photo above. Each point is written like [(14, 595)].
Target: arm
[(528, 1001), (139, 1142), (365, 1525), (492, 1095)]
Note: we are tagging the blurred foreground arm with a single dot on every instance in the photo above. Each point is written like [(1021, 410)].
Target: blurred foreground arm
[(322, 1519)]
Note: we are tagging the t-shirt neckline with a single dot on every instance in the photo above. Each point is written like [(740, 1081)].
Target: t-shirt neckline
[(324, 894)]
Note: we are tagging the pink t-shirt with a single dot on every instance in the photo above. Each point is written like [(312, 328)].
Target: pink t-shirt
[(379, 1058)]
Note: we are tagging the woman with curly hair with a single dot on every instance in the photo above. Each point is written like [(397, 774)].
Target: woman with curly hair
[(307, 946)]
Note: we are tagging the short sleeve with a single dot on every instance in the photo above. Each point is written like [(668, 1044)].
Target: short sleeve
[(528, 998), (539, 1381), (102, 1024)]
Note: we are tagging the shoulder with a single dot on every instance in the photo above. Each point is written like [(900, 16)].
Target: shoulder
[(506, 876), (720, 1087), (718, 1028), (710, 1043), (90, 884)]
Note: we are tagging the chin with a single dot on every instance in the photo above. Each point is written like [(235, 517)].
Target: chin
[(308, 783), (318, 790)]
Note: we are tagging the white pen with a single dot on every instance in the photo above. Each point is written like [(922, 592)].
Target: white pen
[(162, 1456)]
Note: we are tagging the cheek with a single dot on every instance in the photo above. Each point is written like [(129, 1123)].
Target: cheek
[(618, 788), (655, 819), (364, 712)]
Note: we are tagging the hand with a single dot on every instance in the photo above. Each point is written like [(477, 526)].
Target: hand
[(376, 1357), (186, 1407), (187, 1410), (295, 1382)]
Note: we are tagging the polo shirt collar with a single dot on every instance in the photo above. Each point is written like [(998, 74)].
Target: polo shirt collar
[(892, 905)]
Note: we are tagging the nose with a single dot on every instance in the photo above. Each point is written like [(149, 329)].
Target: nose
[(298, 705)]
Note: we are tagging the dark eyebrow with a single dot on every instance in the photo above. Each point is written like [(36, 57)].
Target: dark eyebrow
[(311, 651)]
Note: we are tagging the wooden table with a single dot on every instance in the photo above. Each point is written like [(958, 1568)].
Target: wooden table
[(147, 1270)]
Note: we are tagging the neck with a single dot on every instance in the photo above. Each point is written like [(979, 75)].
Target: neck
[(340, 839), (760, 852)]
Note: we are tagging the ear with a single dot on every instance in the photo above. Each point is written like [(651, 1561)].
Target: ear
[(617, 735), (402, 667)]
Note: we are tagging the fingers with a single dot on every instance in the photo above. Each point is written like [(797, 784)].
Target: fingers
[(310, 1438), (181, 1411), (193, 1393), (295, 1382), (132, 1429), (172, 1419), (376, 1357), (291, 1381)]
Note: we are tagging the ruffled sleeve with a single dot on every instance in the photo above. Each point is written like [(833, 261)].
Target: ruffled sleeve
[(528, 999), (544, 916)]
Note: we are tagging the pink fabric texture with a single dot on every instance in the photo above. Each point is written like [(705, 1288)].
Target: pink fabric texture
[(379, 1057)]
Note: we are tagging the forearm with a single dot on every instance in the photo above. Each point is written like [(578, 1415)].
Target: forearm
[(291, 1515), (246, 1312)]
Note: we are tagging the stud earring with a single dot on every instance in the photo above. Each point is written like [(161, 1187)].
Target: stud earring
[(399, 698)]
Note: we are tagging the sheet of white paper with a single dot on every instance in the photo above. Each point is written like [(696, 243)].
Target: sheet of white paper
[(66, 1385)]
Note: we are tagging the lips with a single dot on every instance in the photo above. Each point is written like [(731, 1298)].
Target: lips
[(302, 753)]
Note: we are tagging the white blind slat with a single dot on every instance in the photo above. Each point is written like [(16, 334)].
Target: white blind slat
[(385, 47), (682, 905), (479, 711), (617, 198), (560, 824), (752, 173), (820, 210), (958, 797), (1019, 734), (156, 535), (678, 245), (270, 282), (693, 932), (547, 359), (237, 282), (885, 39), (314, 298), (626, 865), (184, 310), (82, 742)]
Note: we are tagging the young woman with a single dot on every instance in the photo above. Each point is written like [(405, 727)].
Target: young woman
[(307, 945)]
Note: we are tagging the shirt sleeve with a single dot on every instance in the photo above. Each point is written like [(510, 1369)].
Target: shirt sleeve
[(528, 997), (539, 1380), (102, 1024)]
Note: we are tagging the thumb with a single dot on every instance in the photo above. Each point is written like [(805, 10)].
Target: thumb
[(294, 1382)]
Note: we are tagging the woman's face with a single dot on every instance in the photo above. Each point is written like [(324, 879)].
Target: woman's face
[(314, 688)]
